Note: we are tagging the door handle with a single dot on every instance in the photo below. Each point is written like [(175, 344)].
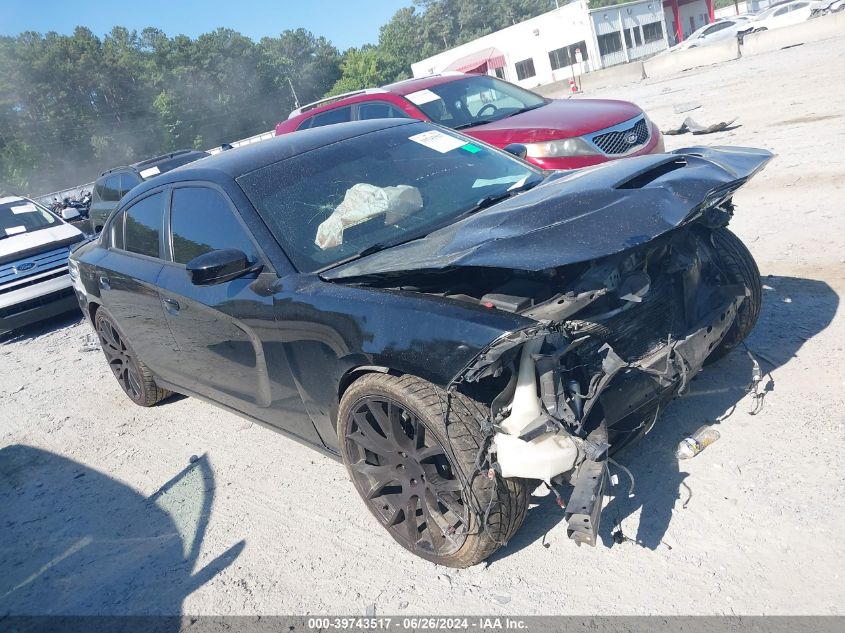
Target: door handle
[(104, 283), (171, 305)]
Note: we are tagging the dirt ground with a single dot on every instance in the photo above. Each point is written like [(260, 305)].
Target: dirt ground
[(109, 508)]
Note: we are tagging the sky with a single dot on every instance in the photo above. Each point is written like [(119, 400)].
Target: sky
[(345, 22)]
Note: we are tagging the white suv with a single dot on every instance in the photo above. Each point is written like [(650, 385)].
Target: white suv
[(34, 249)]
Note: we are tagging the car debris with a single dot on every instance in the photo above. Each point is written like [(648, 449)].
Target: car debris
[(691, 446), (689, 125)]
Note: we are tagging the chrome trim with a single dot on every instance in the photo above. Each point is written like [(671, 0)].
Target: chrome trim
[(618, 128), (35, 264)]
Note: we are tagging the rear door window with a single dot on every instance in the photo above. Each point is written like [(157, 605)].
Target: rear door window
[(379, 110), (201, 221), (143, 226), (338, 115)]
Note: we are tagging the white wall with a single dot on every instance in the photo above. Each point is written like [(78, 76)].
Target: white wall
[(699, 13), (630, 17), (532, 39), (729, 12)]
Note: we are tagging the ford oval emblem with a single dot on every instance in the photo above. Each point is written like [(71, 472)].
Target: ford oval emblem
[(24, 267), (632, 138)]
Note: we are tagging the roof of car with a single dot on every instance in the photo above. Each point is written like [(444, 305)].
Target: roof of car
[(400, 88), (243, 160), (156, 160), (407, 86)]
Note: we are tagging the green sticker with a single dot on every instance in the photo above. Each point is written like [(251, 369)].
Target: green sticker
[(472, 149)]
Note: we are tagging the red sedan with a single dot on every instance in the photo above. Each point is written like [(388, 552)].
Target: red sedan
[(558, 133)]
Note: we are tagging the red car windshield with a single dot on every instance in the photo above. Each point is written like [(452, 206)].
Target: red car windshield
[(473, 101)]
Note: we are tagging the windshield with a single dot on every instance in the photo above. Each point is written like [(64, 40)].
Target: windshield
[(380, 189), (20, 216), (473, 100)]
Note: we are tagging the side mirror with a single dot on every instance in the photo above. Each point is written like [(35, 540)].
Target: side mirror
[(219, 266), (517, 149)]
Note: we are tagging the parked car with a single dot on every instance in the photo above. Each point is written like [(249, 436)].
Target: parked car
[(557, 133), (784, 14), (718, 31), (450, 321), (34, 249), (113, 184)]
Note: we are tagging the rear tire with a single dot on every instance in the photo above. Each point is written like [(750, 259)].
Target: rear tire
[(739, 266), (417, 474), (132, 375)]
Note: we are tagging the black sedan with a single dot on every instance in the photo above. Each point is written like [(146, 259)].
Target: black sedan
[(453, 323)]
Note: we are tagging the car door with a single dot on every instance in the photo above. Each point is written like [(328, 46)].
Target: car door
[(127, 277), (225, 331)]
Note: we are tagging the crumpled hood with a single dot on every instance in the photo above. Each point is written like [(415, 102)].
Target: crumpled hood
[(560, 118), (577, 216)]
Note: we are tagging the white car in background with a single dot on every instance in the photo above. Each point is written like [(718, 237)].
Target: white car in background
[(718, 31), (35, 283), (781, 15)]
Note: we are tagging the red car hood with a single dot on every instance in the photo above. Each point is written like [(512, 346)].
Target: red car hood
[(560, 118)]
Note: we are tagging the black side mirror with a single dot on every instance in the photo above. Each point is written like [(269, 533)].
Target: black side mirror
[(219, 266), (517, 149)]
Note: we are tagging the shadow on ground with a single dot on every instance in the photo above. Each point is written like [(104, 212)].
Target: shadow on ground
[(794, 310), (74, 541), (41, 328)]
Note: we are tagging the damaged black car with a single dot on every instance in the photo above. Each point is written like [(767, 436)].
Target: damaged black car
[(453, 323)]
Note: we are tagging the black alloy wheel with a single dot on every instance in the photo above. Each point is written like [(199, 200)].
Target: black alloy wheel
[(132, 375), (405, 476), (411, 451), (119, 358)]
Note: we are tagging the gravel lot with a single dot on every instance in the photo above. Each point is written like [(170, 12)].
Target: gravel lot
[(109, 508)]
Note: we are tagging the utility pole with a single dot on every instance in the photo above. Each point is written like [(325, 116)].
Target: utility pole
[(295, 98)]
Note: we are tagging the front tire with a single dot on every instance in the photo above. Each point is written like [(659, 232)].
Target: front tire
[(739, 267), (132, 375), (417, 474)]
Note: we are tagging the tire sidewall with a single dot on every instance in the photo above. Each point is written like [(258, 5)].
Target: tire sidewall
[(103, 315)]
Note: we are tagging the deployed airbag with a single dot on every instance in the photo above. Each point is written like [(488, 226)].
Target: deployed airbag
[(363, 202)]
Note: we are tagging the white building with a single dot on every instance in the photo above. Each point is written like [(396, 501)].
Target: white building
[(559, 44)]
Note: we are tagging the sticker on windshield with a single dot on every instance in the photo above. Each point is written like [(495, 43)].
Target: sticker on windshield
[(421, 96), (518, 183), (151, 171), (472, 149), (504, 180), (438, 141), (24, 208), (15, 229)]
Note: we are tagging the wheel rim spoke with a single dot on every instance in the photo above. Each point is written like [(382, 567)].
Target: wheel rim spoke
[(371, 441), (434, 527), (411, 523)]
